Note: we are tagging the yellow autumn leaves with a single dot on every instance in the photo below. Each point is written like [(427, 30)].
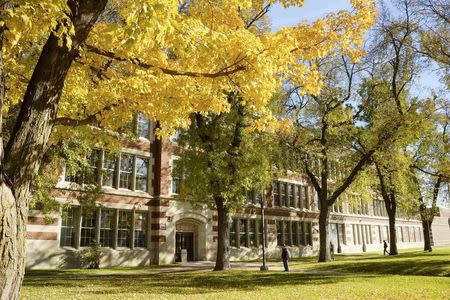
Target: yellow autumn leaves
[(145, 39)]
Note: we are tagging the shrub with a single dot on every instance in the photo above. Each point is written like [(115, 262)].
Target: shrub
[(90, 257)]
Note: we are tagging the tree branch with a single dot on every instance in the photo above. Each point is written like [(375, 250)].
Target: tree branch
[(234, 68)]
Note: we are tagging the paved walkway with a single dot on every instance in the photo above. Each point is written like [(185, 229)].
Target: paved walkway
[(182, 267)]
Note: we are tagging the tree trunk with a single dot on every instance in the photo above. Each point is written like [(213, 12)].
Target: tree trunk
[(12, 244), (426, 227), (223, 237), (393, 234), (29, 139), (324, 233)]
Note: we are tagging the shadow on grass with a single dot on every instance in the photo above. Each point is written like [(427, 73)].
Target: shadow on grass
[(200, 282), (47, 272)]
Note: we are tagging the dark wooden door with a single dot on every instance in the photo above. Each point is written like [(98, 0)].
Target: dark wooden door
[(184, 240)]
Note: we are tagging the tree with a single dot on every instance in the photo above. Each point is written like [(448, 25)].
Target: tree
[(395, 65), (95, 63), (223, 158), (434, 37), (330, 144), (430, 166)]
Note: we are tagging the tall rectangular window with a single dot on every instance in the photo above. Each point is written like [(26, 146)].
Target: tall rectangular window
[(295, 237), (67, 237), (282, 194), (126, 171), (124, 229), (252, 232), (291, 192), (301, 227), (106, 227), (400, 233), (90, 176), (141, 174), (369, 234), (233, 228), (308, 233), (341, 234), (140, 230), (276, 194), (88, 220), (142, 126), (109, 170), (288, 233), (297, 200), (305, 197), (176, 180), (280, 231), (355, 233), (243, 233)]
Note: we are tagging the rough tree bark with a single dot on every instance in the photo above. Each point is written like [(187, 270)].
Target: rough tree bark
[(426, 227), (427, 213), (392, 211), (223, 237), (390, 202), (324, 230), (29, 139)]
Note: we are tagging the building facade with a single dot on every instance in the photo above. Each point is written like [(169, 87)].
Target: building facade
[(139, 221)]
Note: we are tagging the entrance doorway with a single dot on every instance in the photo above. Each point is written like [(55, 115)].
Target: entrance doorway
[(184, 240)]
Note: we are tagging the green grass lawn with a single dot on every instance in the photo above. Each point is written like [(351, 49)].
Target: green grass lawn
[(410, 262), (413, 275)]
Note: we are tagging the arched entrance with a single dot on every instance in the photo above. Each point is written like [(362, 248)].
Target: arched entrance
[(189, 235)]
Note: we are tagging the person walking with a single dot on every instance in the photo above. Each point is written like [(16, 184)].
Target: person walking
[(332, 251), (285, 255), (385, 245)]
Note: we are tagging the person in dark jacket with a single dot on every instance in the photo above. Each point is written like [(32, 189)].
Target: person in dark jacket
[(285, 255), (385, 245), (332, 251)]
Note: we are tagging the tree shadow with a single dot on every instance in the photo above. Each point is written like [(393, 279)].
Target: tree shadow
[(184, 283)]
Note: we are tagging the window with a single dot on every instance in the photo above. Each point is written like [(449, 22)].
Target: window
[(276, 194), (88, 220), (106, 227), (279, 227), (85, 174), (308, 233), (126, 171), (252, 229), (233, 228), (176, 180), (302, 237), (91, 175), (141, 174), (288, 232), (243, 232), (109, 170), (295, 237), (341, 233), (261, 231), (369, 234), (283, 194), (124, 229), (142, 126), (254, 196), (297, 201), (67, 228), (140, 230), (291, 196), (305, 198)]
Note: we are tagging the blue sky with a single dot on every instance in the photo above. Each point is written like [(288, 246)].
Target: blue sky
[(314, 9)]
